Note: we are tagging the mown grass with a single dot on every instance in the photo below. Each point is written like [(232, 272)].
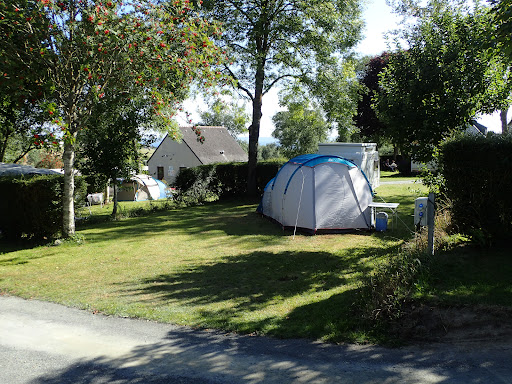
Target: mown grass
[(469, 276), (219, 265)]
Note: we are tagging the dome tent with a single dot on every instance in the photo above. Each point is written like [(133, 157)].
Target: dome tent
[(319, 192), (140, 188)]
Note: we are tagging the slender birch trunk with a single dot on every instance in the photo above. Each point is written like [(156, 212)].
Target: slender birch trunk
[(68, 203)]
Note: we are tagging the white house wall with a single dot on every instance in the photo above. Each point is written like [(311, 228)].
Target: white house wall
[(171, 155)]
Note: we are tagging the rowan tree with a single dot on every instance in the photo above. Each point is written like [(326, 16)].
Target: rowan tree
[(71, 52)]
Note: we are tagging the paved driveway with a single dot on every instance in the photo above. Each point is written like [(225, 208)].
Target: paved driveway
[(42, 343)]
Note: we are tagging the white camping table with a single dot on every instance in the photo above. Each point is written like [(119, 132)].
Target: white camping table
[(391, 206)]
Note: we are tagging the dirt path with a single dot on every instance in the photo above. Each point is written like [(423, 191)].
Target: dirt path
[(42, 343)]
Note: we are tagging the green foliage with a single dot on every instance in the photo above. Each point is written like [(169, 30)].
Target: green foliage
[(371, 128), (32, 208), (442, 79), (300, 128), (95, 183), (220, 181), (20, 130), (292, 37), (335, 89), (385, 291), (477, 173), (408, 271), (270, 151), (133, 47), (501, 14), (226, 114), (110, 149)]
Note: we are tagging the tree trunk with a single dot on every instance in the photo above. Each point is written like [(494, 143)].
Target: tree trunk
[(254, 131), (3, 147), (503, 118), (68, 203), (114, 211)]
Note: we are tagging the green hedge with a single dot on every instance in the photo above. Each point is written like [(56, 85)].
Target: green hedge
[(32, 206), (224, 180), (477, 174)]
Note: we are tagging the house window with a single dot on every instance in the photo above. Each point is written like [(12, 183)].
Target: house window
[(160, 173)]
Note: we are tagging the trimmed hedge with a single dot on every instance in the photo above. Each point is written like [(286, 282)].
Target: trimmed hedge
[(477, 174), (32, 206), (223, 180)]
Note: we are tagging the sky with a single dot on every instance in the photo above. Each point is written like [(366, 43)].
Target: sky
[(379, 19)]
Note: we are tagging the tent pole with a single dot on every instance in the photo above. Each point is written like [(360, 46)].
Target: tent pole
[(298, 208)]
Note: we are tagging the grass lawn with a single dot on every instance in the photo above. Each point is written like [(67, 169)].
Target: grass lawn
[(220, 265), (469, 276)]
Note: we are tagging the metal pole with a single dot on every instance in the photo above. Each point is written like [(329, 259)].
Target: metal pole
[(430, 222)]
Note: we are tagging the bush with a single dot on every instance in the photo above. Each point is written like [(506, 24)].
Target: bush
[(395, 281), (477, 177), (221, 181), (32, 207)]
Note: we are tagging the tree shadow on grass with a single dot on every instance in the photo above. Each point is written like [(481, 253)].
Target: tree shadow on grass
[(223, 295), (469, 276), (12, 246), (229, 218)]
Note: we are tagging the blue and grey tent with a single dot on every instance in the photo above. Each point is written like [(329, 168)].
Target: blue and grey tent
[(142, 187), (319, 192)]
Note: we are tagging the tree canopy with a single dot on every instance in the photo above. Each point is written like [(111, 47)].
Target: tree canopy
[(300, 128), (441, 78), (110, 148), (21, 129), (273, 40), (370, 126), (226, 114), (501, 14)]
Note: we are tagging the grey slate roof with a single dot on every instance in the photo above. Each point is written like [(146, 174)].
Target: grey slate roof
[(218, 146), (7, 169), (478, 127)]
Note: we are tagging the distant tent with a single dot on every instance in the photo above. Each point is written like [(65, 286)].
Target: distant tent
[(141, 188), (165, 191), (318, 192)]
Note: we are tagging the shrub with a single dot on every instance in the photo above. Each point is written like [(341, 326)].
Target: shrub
[(32, 206), (220, 181), (395, 281), (477, 176)]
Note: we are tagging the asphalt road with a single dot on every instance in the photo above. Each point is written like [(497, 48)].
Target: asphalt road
[(44, 343)]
